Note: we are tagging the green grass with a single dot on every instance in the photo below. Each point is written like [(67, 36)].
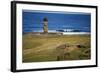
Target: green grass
[(40, 48)]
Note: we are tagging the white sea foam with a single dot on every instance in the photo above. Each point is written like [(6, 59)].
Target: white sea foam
[(75, 33), (70, 33)]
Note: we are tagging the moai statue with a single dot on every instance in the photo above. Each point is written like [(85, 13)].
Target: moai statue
[(45, 25)]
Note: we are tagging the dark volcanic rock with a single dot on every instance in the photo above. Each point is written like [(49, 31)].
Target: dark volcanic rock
[(80, 46)]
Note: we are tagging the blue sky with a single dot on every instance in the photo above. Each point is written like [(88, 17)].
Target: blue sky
[(33, 20)]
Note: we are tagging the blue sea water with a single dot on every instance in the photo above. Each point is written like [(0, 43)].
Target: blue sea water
[(63, 22)]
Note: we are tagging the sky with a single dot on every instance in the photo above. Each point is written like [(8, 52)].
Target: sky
[(33, 20)]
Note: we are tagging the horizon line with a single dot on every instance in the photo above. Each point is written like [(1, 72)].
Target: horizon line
[(61, 12)]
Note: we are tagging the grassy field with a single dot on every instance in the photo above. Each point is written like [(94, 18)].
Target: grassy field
[(39, 48)]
